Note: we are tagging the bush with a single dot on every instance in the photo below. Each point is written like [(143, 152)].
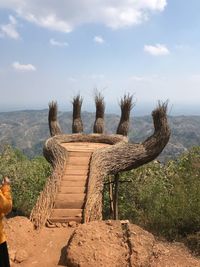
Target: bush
[(164, 199), (27, 178), (193, 242)]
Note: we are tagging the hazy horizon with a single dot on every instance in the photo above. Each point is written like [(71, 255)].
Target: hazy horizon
[(142, 110)]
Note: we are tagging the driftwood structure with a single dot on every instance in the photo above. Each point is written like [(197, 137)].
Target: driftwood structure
[(77, 124), (126, 104), (116, 156), (100, 109), (54, 126)]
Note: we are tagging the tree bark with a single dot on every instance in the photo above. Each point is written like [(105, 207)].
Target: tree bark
[(54, 126), (111, 198), (116, 187), (123, 157)]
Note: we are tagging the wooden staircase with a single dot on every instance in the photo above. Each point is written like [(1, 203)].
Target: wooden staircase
[(71, 196)]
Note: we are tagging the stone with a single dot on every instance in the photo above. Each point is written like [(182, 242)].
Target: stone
[(72, 224), (21, 255), (12, 254)]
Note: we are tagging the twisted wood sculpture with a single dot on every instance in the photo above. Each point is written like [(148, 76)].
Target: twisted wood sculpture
[(119, 156), (54, 126), (126, 104), (77, 124), (100, 109)]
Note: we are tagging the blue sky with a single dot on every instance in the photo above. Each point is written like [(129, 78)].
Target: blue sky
[(52, 50)]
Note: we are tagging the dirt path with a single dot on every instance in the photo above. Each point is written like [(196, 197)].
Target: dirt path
[(45, 248), (105, 243)]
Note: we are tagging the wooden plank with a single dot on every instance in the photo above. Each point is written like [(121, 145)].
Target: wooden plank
[(75, 172), (80, 154), (76, 167), (78, 161), (60, 213), (72, 190), (73, 183), (69, 204), (70, 197), (87, 145), (70, 177)]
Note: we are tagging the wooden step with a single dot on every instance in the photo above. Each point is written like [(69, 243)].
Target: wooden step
[(65, 219), (72, 190), (76, 204), (78, 160), (75, 172), (60, 213), (77, 177), (70, 197), (74, 183), (80, 154), (76, 167)]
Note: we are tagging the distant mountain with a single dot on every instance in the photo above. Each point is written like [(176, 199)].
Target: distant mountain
[(27, 130)]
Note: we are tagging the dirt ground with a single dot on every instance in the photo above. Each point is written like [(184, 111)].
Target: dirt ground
[(106, 244), (45, 248)]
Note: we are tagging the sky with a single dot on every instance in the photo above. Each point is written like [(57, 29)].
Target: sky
[(53, 50)]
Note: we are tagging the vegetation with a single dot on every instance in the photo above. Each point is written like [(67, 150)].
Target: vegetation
[(27, 177), (164, 199)]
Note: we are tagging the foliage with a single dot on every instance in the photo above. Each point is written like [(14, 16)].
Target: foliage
[(27, 177), (193, 242), (164, 199)]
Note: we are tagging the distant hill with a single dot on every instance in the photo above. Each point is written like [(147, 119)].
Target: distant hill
[(27, 130)]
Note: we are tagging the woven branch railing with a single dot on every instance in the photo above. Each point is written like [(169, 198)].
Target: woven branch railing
[(57, 156)]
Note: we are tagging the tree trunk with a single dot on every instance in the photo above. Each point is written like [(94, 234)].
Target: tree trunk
[(116, 196), (54, 126), (111, 198)]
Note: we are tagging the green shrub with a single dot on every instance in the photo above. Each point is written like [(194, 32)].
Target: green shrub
[(193, 242), (27, 177), (164, 199)]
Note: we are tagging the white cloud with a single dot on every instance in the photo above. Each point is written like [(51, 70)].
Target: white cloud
[(56, 43), (153, 5), (157, 50), (138, 78), (72, 79), (65, 15), (23, 67), (49, 21), (97, 76), (194, 78), (146, 78), (9, 30), (98, 39)]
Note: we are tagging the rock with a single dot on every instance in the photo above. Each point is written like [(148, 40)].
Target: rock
[(109, 222), (141, 245), (21, 255), (72, 224), (121, 244), (12, 254), (58, 225), (95, 244), (124, 222)]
